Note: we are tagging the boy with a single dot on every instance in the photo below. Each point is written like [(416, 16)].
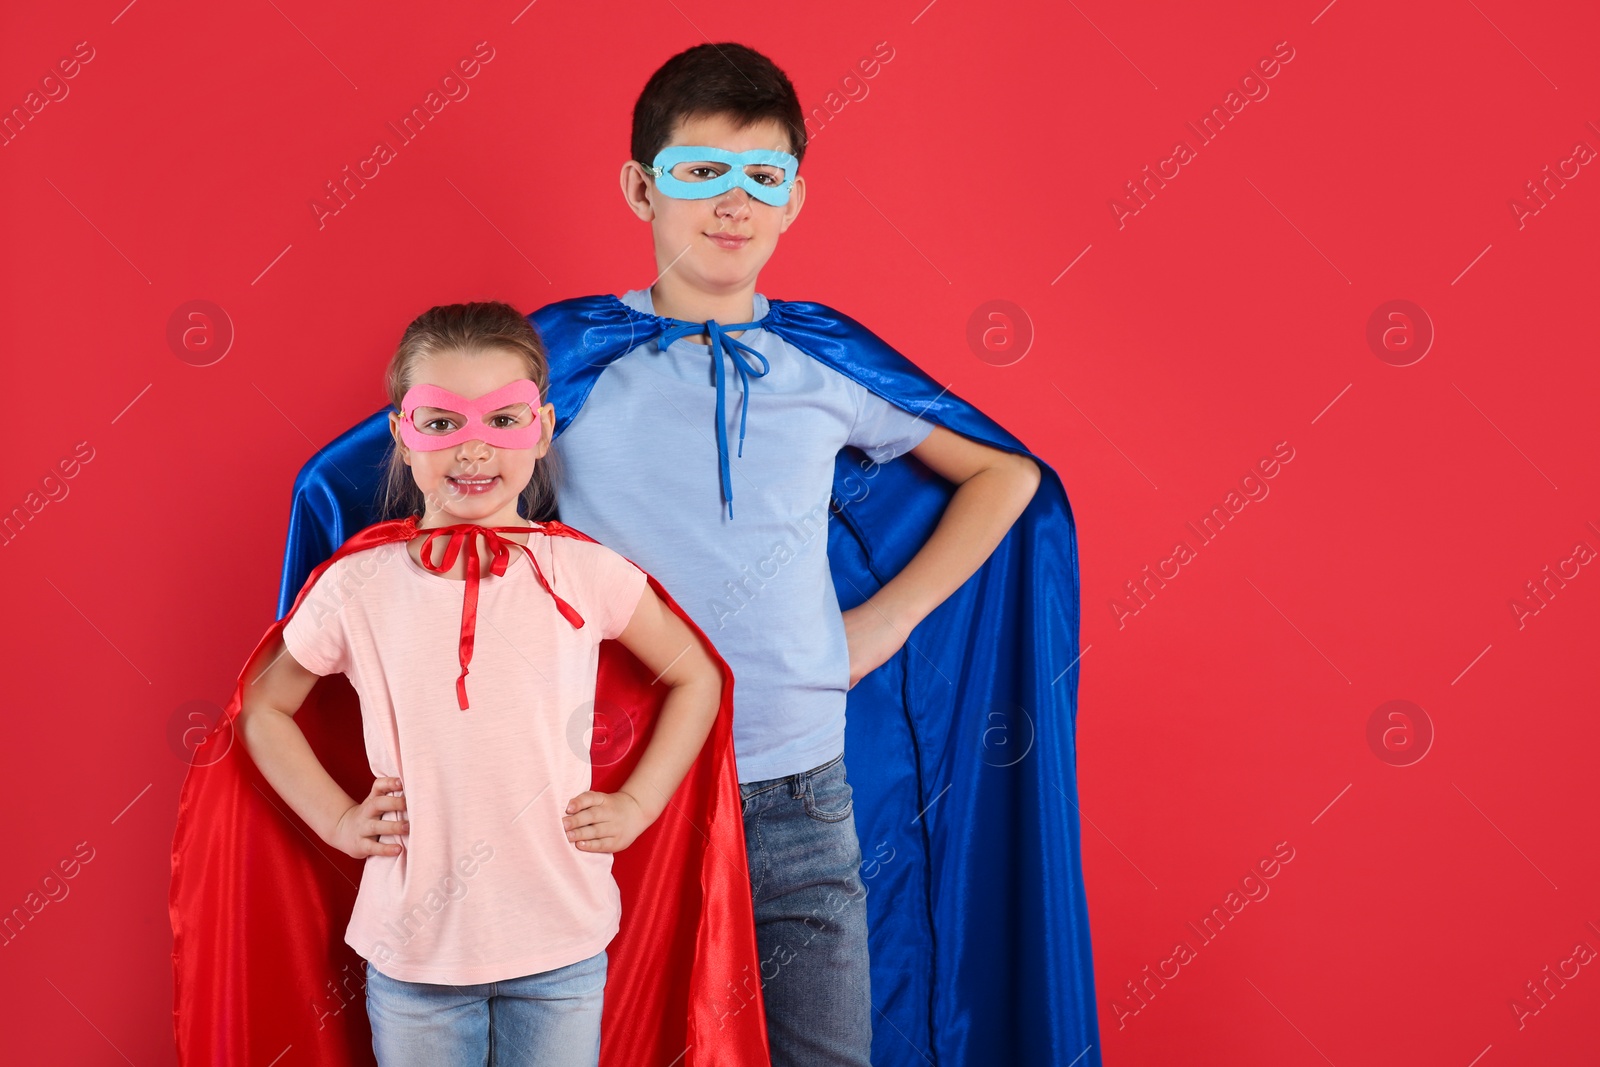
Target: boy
[(984, 923), (642, 478), (741, 539)]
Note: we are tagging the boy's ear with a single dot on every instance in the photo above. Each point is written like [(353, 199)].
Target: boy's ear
[(636, 190), (797, 198)]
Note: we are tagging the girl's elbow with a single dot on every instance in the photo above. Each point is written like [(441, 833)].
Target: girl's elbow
[(708, 676), (254, 723), (248, 726), (695, 671), (707, 681)]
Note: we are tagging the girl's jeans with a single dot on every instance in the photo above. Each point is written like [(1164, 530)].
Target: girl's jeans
[(550, 1019), (811, 917)]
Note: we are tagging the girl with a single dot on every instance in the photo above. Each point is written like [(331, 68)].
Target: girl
[(484, 920)]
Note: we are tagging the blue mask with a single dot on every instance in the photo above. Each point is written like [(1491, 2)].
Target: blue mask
[(763, 173)]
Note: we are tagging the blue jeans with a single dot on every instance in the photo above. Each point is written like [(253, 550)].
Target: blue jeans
[(811, 917), (550, 1019)]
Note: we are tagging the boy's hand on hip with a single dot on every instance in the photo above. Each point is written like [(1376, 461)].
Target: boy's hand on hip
[(604, 822), (872, 638)]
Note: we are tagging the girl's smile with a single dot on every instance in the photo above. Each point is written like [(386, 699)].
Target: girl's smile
[(472, 486)]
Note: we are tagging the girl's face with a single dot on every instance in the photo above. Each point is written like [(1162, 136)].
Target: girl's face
[(473, 481)]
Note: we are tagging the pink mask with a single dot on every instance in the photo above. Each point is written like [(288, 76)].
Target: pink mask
[(474, 417)]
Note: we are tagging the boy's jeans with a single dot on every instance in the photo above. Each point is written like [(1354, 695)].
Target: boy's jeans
[(550, 1019), (811, 917)]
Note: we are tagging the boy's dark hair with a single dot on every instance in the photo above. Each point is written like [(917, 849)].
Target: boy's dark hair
[(715, 79)]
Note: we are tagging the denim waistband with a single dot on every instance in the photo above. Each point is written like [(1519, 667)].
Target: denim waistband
[(797, 781)]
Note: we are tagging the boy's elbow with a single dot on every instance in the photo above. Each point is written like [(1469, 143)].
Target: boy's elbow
[(1031, 471), (1025, 475)]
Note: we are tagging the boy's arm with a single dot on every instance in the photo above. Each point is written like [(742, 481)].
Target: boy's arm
[(992, 488), (610, 822)]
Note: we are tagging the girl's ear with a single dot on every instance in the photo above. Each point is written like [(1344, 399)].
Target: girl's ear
[(547, 419), (399, 444)]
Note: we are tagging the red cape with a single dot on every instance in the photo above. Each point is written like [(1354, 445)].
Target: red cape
[(259, 904)]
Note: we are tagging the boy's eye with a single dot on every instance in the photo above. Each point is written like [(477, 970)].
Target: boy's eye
[(704, 171)]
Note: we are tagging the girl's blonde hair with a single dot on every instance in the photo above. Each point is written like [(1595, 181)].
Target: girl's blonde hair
[(472, 329)]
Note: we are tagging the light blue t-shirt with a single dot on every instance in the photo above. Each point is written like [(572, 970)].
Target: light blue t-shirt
[(640, 474)]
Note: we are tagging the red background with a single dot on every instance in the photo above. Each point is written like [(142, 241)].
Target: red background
[(1229, 314)]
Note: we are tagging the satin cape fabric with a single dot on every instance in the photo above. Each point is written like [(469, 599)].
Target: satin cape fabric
[(259, 904), (961, 749)]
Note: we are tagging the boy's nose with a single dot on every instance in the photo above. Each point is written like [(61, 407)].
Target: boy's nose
[(734, 201)]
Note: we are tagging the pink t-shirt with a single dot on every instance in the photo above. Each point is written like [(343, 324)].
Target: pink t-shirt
[(487, 886)]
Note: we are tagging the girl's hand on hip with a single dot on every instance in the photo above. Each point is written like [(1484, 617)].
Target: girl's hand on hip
[(360, 827), (604, 822)]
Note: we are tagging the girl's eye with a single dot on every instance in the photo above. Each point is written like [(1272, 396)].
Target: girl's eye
[(510, 420), (438, 426)]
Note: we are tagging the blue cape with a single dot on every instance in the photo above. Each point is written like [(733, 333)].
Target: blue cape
[(961, 748)]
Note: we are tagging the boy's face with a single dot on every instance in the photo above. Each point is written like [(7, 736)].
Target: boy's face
[(718, 244)]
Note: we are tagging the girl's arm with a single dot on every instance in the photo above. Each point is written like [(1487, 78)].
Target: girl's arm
[(275, 742), (610, 822)]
